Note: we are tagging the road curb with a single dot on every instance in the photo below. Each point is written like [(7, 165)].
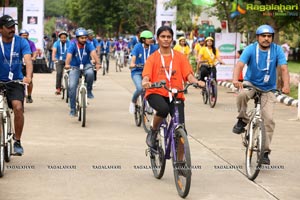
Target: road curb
[(287, 100)]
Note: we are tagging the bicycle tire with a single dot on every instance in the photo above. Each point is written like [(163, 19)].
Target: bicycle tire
[(147, 115), (103, 65), (258, 140), (8, 146), (117, 64), (63, 91), (204, 96), (157, 160), (182, 169), (83, 107), (138, 113), (66, 88), (213, 93), (2, 146)]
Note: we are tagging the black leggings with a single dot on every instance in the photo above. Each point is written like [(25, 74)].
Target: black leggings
[(163, 106), (205, 70)]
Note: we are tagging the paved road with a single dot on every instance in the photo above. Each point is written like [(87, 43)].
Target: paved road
[(62, 160)]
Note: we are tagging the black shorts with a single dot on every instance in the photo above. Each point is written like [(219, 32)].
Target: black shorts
[(14, 91)]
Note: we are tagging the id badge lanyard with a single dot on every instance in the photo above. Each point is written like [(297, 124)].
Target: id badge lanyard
[(146, 55), (81, 56), (104, 46), (168, 74), (10, 74), (61, 50), (212, 56), (267, 76)]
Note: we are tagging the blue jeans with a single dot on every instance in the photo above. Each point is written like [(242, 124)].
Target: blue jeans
[(74, 79), (137, 80)]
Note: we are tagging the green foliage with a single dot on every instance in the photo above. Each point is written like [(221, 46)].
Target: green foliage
[(49, 26)]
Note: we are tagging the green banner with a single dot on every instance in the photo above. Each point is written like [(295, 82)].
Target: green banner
[(203, 2)]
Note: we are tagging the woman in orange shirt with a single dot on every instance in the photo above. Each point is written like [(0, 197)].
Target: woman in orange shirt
[(171, 66)]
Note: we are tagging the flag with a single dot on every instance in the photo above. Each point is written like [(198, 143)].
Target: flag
[(203, 2)]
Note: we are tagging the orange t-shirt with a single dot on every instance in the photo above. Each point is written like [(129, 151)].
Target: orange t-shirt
[(154, 69)]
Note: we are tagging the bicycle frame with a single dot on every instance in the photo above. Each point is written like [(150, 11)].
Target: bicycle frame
[(169, 131), (81, 86)]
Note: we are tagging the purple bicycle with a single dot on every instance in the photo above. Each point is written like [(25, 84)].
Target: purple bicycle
[(174, 145)]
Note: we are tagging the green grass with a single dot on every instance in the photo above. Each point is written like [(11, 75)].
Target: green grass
[(294, 67), (294, 91)]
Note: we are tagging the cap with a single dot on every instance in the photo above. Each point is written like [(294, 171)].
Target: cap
[(7, 21)]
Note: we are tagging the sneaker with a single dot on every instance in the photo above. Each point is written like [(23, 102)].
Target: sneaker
[(29, 99), (151, 138), (90, 95), (18, 149), (58, 90), (131, 108), (266, 160), (73, 113), (239, 127)]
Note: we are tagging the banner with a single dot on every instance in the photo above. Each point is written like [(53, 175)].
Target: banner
[(33, 21), (11, 11), (165, 17), (203, 2), (227, 44)]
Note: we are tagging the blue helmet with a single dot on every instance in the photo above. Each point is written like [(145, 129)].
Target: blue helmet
[(264, 29), (81, 32), (23, 31)]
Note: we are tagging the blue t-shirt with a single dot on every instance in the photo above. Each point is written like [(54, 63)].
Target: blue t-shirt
[(104, 46), (94, 42), (256, 73), (140, 53), (134, 41), (84, 54), (61, 49), (21, 48)]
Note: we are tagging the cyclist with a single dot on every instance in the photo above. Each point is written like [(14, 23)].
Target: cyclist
[(140, 53), (59, 55), (262, 58), (120, 48), (210, 55), (78, 56), (199, 45), (96, 44), (25, 34), (174, 68), (13, 50), (135, 39), (183, 47), (104, 51)]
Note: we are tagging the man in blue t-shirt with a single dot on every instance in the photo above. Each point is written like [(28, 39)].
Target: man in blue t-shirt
[(262, 58), (104, 51), (78, 57), (59, 54), (13, 50)]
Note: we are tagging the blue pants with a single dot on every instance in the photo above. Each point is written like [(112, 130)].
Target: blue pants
[(74, 79), (137, 80)]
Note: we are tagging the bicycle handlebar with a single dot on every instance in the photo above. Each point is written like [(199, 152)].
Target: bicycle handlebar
[(262, 91), (172, 90), (137, 66)]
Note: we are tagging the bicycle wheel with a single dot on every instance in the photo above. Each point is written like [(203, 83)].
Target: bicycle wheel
[(255, 148), (147, 115), (157, 159), (212, 93), (103, 66), (66, 88), (117, 64), (83, 107), (182, 163), (138, 112), (1, 146), (204, 95), (8, 146)]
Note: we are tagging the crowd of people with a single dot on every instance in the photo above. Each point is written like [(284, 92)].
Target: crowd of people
[(151, 59)]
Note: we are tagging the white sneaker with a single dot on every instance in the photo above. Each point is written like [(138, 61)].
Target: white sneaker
[(131, 108)]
